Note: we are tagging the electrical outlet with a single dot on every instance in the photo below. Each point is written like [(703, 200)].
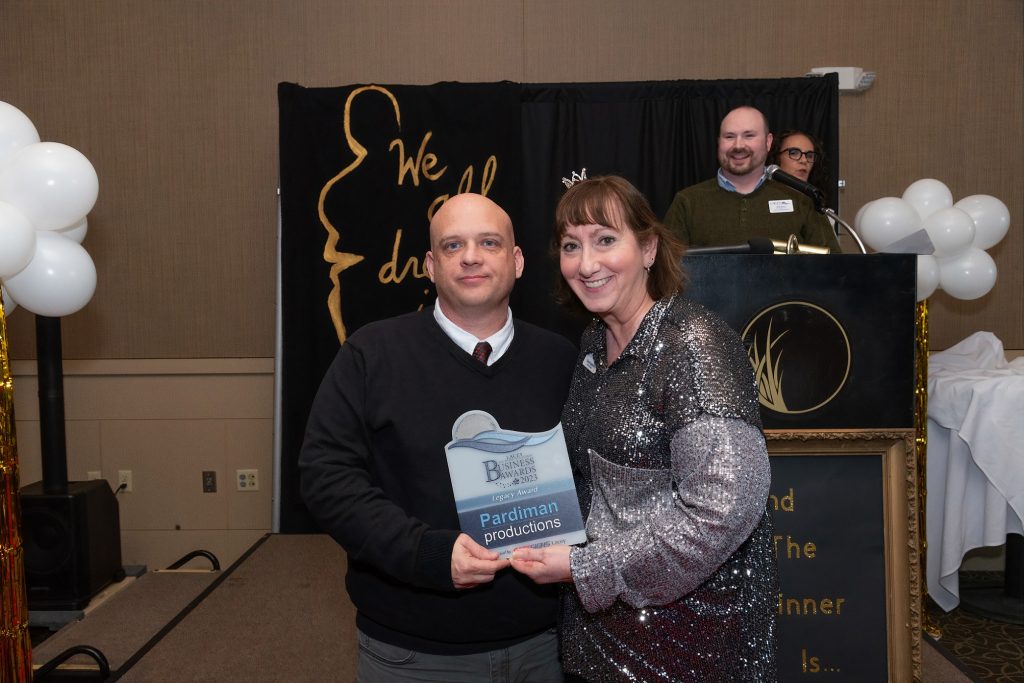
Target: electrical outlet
[(248, 480), (93, 474), (124, 478), (209, 481)]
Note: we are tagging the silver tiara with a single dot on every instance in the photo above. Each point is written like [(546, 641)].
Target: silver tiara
[(575, 178)]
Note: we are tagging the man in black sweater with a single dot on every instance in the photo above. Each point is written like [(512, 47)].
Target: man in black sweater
[(432, 603)]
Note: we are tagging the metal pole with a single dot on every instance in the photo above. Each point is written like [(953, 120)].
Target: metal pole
[(51, 405)]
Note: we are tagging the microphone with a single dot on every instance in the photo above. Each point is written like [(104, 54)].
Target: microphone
[(778, 175), (756, 245), (773, 172)]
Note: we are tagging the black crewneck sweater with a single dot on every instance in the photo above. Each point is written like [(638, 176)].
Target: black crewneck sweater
[(375, 476)]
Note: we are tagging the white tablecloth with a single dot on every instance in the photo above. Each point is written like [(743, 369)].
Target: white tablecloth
[(975, 457)]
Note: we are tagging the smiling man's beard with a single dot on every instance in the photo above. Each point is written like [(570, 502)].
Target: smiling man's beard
[(742, 165)]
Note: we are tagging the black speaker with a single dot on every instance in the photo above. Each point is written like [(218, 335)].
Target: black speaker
[(72, 543)]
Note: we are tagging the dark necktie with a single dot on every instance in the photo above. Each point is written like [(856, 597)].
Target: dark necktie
[(482, 351)]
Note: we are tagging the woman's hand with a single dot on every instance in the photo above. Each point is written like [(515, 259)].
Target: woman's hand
[(544, 565)]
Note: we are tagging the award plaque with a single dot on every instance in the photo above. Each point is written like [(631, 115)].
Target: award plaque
[(512, 489)]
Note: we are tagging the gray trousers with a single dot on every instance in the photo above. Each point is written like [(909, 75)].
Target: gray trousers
[(532, 661)]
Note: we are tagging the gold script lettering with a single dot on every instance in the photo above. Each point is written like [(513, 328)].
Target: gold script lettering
[(389, 272), (789, 606), (786, 503), (794, 550), (466, 183), (423, 162), (813, 665), (487, 177)]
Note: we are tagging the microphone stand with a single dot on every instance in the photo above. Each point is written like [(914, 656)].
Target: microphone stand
[(853, 233)]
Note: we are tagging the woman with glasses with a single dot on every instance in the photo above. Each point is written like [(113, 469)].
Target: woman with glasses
[(800, 155)]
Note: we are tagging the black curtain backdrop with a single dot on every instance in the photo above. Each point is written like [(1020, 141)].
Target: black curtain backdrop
[(661, 136), (378, 158), (340, 144)]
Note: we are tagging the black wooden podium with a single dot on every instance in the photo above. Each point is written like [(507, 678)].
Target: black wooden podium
[(832, 341)]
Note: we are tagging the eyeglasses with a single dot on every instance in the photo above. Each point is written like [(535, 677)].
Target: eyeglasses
[(795, 153)]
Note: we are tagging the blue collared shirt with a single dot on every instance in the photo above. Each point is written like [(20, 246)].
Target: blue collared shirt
[(727, 185)]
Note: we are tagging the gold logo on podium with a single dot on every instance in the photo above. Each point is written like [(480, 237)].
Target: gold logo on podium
[(800, 354)]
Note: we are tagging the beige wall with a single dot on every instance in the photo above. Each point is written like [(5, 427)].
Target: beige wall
[(166, 421), (174, 102)]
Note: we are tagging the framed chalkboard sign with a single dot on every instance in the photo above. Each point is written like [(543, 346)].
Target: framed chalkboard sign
[(845, 511)]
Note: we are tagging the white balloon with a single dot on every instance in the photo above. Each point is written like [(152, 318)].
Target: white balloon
[(9, 303), (16, 130), (927, 276), (17, 240), (970, 275), (59, 281), (991, 219), (53, 184), (76, 232), (859, 215), (951, 231), (928, 196), (887, 220)]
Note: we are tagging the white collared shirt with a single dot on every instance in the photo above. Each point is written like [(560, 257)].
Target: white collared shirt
[(499, 341)]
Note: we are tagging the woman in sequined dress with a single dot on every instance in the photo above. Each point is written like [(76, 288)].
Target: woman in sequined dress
[(677, 581)]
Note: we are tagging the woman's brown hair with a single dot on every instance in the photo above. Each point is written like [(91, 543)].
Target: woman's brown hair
[(613, 201)]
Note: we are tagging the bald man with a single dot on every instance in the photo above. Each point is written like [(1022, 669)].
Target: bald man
[(741, 203), (431, 603)]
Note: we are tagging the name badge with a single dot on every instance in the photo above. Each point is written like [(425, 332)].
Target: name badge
[(780, 206), (589, 364)]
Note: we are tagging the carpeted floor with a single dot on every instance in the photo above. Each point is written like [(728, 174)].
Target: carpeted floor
[(248, 625), (992, 651)]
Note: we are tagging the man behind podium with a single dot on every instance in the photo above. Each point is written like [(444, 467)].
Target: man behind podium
[(433, 605), (741, 202)]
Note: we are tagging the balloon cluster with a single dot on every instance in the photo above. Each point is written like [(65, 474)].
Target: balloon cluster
[(46, 191), (960, 233)]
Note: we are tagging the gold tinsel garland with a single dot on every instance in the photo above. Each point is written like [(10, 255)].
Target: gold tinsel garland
[(921, 428), (15, 641)]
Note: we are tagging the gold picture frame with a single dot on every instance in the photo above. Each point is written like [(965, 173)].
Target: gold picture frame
[(903, 598)]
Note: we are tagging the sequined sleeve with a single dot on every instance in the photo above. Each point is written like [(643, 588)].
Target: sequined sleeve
[(681, 531)]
